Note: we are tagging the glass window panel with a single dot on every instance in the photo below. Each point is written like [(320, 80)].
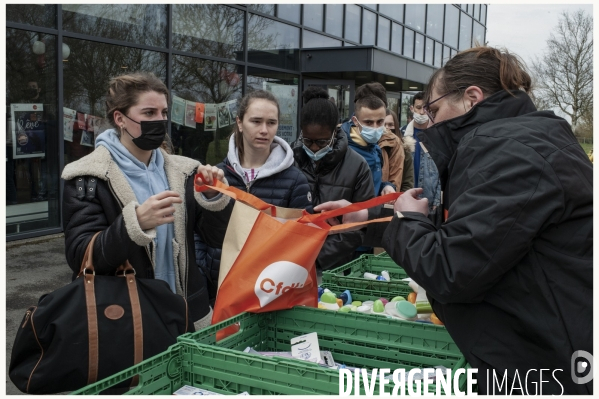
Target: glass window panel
[(471, 9), (313, 16), (348, 44), (483, 14), (434, 23), (32, 132), (406, 101), (273, 43), (479, 34), (419, 48), (312, 39), (85, 87), (383, 34), (408, 43), (136, 23), (465, 32), (396, 38), (334, 19), (352, 22), (453, 52), (452, 21), (438, 54), (263, 8), (464, 7), (290, 12), (428, 51), (394, 11), (214, 83), (415, 16), (32, 14), (368, 27), (209, 29), (285, 88), (477, 12), (446, 54)]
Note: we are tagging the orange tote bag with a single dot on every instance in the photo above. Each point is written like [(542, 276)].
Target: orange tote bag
[(269, 254)]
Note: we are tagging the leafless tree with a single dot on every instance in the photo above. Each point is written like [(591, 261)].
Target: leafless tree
[(565, 71)]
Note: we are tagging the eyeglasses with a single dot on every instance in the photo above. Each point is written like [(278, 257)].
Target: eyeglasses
[(320, 143), (431, 114)]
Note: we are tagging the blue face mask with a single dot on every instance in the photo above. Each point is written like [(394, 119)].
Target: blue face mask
[(370, 134), (318, 155)]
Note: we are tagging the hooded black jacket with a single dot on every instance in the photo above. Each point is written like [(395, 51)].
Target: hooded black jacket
[(341, 174), (510, 272)]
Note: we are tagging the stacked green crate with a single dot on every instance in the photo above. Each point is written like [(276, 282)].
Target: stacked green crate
[(354, 339), (351, 275)]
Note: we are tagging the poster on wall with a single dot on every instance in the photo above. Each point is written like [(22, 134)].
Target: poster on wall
[(232, 110), (287, 96), (28, 131), (199, 112), (224, 117), (69, 117), (210, 117), (87, 138), (190, 114), (178, 111)]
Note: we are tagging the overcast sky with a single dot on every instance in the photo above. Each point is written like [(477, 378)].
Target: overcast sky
[(524, 29)]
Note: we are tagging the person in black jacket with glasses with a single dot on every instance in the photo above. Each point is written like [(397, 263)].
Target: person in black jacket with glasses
[(510, 270)]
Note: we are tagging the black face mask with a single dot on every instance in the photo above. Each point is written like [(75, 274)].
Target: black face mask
[(152, 134)]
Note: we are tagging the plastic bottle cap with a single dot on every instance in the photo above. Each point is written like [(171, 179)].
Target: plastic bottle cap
[(378, 307), (398, 298), (328, 297), (357, 303), (368, 303), (345, 309), (364, 309), (406, 309)]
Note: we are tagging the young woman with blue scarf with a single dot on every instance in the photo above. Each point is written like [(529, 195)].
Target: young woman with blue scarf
[(333, 170), (139, 196)]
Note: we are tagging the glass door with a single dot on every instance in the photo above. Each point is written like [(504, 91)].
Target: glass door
[(341, 93)]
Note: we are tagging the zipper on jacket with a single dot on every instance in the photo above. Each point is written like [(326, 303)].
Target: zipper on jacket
[(27, 315), (121, 205)]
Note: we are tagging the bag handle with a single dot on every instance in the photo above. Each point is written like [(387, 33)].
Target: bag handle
[(235, 193), (87, 264), (88, 273), (317, 218)]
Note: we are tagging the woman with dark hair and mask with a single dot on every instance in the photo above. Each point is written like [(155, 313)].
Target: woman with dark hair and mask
[(139, 196), (334, 170), (510, 270)]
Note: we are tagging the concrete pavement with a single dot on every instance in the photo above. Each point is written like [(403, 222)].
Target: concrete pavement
[(34, 267)]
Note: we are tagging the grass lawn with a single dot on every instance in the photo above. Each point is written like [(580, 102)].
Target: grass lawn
[(587, 147)]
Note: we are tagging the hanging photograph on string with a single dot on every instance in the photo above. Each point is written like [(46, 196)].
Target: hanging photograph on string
[(190, 114), (178, 111), (28, 131), (210, 117), (224, 118)]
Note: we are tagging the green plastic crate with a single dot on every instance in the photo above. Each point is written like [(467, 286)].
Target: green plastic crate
[(361, 294), (350, 276), (354, 339)]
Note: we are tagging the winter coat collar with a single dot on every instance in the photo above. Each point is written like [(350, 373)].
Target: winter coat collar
[(101, 165), (389, 139), (280, 158), (442, 139)]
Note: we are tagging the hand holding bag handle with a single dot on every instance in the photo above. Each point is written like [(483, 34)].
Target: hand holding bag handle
[(88, 273)]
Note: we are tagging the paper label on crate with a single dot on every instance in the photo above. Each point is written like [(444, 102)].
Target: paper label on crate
[(305, 347), (189, 390)]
